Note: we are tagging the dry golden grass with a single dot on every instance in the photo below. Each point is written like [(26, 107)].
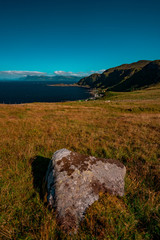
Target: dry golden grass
[(126, 130)]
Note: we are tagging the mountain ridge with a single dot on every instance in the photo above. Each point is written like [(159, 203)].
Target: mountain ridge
[(51, 78), (125, 77), (60, 79)]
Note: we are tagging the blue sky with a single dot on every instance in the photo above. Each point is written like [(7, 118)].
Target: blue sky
[(77, 36)]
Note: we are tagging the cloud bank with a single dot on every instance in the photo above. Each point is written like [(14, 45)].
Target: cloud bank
[(22, 74), (18, 74), (77, 74)]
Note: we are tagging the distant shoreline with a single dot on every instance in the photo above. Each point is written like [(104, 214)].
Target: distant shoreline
[(93, 92), (66, 85)]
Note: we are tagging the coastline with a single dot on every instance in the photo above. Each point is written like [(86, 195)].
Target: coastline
[(92, 91), (66, 85)]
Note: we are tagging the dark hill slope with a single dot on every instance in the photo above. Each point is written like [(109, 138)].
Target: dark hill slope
[(125, 77)]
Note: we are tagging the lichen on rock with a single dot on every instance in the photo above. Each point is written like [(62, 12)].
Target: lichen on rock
[(74, 182)]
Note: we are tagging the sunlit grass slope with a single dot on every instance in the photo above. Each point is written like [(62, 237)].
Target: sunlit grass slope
[(127, 127)]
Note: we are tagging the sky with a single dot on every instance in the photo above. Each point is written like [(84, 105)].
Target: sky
[(76, 36)]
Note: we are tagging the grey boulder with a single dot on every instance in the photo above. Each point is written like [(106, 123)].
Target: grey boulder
[(74, 182)]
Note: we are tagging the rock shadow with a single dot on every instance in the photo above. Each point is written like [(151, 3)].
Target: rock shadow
[(39, 168)]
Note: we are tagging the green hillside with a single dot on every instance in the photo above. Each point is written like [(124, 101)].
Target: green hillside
[(126, 77)]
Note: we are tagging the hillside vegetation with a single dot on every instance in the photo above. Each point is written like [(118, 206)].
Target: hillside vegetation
[(124, 126), (126, 77)]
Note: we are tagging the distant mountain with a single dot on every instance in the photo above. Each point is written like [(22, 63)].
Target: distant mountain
[(59, 79), (125, 77)]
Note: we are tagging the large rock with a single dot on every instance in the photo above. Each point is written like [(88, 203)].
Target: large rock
[(74, 182)]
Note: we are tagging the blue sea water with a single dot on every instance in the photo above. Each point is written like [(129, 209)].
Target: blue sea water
[(16, 92)]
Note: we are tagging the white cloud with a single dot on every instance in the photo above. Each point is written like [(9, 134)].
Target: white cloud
[(18, 74), (100, 71), (78, 74), (63, 73), (22, 74)]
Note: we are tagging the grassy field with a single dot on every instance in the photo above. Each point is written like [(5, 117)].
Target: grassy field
[(124, 126)]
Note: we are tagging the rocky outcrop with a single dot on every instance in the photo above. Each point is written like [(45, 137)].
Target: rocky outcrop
[(74, 182)]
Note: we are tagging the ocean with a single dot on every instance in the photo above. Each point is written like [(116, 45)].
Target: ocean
[(16, 92)]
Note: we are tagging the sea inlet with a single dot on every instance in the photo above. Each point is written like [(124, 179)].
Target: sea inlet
[(16, 92)]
